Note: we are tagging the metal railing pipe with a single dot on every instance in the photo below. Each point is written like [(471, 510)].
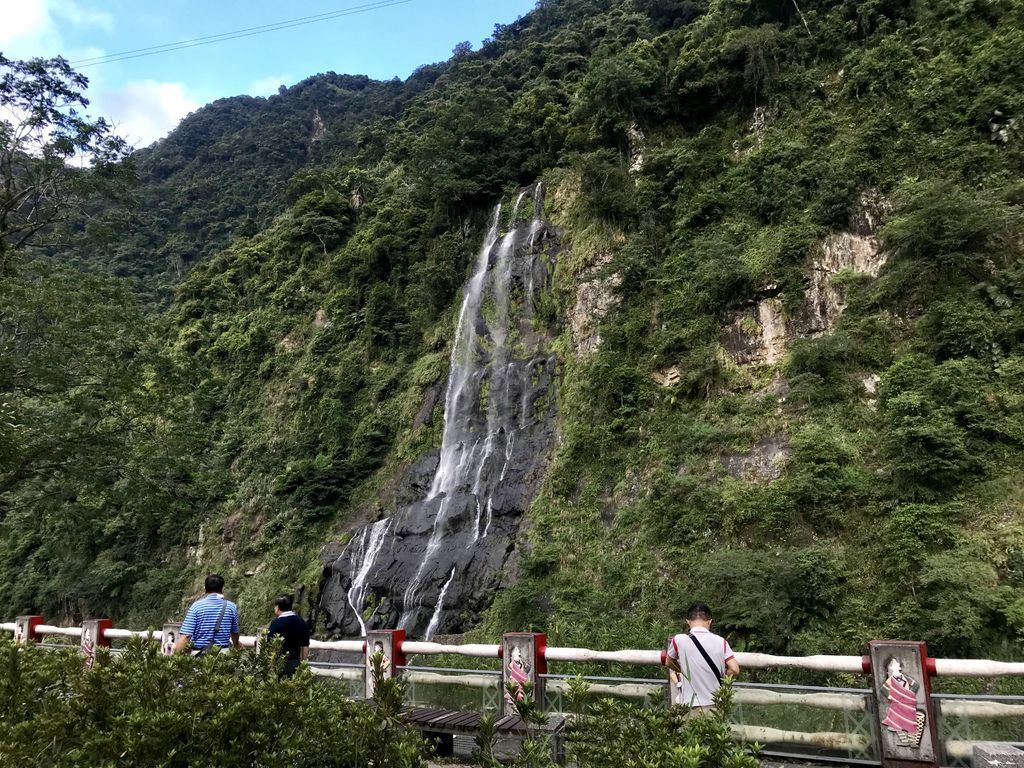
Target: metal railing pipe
[(127, 634), (437, 678), (822, 663), (48, 629), (586, 654), (354, 675), (976, 708), (350, 646), (977, 668), (475, 650), (847, 742)]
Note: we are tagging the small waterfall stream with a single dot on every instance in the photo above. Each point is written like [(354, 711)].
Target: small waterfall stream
[(491, 443), (436, 618), (370, 544)]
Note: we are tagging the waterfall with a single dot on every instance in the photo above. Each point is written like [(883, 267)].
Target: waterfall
[(370, 545), (435, 620), (460, 399), (490, 386), (457, 403)]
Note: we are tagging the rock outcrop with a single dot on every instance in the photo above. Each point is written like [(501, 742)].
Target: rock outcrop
[(764, 462), (758, 336), (595, 297), (319, 129), (761, 334), (637, 146)]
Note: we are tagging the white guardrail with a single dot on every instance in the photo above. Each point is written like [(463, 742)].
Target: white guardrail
[(822, 663), (846, 700)]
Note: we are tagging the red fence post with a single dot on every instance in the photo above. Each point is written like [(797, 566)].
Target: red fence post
[(522, 661), (25, 629), (93, 637), (903, 694), (388, 642)]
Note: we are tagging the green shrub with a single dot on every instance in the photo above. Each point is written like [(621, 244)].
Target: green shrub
[(611, 734), (218, 711)]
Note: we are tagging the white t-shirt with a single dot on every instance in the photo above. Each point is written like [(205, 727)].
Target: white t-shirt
[(698, 683)]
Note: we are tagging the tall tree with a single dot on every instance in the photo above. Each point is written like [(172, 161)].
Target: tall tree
[(44, 135)]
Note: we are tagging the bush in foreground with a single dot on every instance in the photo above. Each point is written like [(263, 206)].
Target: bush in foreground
[(144, 709)]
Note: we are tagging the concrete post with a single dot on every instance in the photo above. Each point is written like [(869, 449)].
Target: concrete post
[(522, 660), (995, 755), (172, 630), (386, 641), (25, 629), (93, 637), (905, 711)]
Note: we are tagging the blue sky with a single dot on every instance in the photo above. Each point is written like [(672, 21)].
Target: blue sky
[(147, 96)]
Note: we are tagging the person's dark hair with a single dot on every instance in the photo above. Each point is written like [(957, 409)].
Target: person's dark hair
[(214, 583), (698, 612), (284, 602)]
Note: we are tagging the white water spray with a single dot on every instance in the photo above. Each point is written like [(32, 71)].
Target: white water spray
[(478, 440), (435, 620), (371, 543)]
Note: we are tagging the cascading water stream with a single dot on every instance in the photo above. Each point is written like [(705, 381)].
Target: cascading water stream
[(370, 543), (459, 403), (490, 385), (435, 620)]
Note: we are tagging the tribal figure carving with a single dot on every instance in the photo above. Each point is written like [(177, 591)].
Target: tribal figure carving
[(903, 717)]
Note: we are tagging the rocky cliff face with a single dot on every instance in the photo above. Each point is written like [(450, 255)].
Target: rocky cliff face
[(433, 564), (761, 334)]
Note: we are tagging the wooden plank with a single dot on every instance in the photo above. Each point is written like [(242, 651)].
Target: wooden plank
[(471, 721), (501, 723), (425, 715), (509, 723), (452, 720), (445, 718), (553, 725)]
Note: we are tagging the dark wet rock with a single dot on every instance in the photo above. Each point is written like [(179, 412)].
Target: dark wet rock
[(426, 412), (414, 480)]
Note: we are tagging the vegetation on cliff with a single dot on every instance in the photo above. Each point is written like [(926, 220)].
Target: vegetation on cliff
[(825, 447)]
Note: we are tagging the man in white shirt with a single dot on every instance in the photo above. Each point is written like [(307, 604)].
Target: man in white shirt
[(698, 660)]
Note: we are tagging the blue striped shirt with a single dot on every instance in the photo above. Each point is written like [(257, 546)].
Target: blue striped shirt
[(201, 618)]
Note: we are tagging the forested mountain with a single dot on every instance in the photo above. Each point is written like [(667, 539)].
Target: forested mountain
[(787, 309), (223, 173)]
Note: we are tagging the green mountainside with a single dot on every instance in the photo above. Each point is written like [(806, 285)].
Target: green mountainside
[(789, 319), (223, 173)]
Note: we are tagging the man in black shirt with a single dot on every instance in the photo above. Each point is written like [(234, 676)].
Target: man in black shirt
[(293, 632)]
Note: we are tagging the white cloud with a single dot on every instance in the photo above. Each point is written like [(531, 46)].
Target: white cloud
[(267, 86), (143, 111), (33, 27), (80, 16)]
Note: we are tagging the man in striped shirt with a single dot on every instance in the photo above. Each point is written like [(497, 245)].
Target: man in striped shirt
[(211, 622), (699, 659)]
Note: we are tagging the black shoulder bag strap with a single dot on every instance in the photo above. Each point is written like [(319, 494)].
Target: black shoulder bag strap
[(700, 649), (216, 628)]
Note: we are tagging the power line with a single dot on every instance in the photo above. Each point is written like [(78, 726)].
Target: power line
[(248, 32)]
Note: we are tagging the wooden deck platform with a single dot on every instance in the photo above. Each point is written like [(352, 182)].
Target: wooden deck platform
[(441, 725)]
